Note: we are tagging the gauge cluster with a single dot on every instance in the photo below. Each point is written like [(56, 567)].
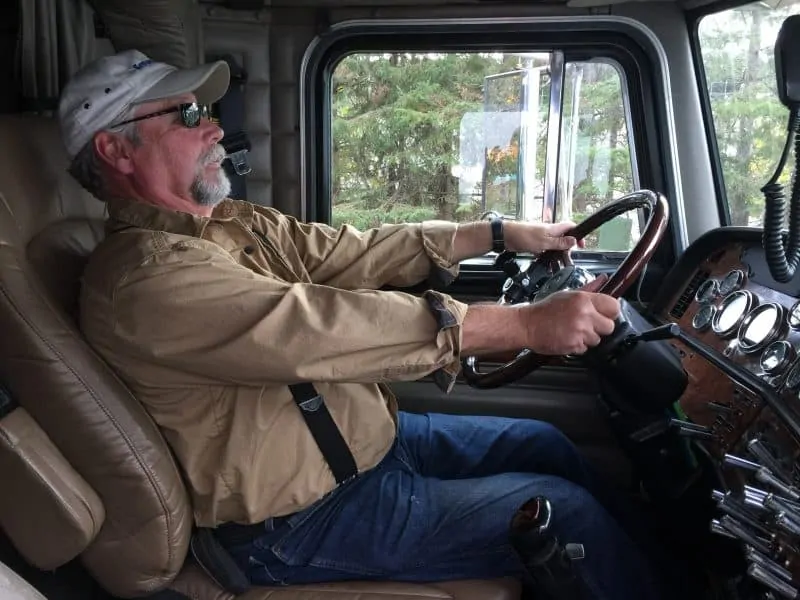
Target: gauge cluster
[(750, 326)]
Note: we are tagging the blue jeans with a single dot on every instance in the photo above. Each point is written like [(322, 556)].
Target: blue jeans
[(439, 505)]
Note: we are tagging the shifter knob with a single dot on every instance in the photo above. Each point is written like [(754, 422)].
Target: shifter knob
[(548, 563)]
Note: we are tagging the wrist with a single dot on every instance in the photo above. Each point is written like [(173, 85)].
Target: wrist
[(526, 323)]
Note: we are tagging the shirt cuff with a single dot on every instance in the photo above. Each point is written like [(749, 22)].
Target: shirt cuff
[(438, 239), (449, 315)]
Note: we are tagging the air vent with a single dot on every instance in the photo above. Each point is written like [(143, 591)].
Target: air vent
[(688, 294)]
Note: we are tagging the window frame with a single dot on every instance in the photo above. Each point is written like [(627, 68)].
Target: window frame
[(619, 40), (693, 18)]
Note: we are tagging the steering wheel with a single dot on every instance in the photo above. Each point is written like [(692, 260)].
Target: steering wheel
[(554, 271)]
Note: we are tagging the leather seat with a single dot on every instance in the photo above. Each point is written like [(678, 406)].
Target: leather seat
[(86, 471)]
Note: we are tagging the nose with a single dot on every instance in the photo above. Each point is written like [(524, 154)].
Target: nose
[(213, 133)]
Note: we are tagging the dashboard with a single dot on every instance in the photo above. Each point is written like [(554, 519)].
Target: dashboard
[(723, 297)]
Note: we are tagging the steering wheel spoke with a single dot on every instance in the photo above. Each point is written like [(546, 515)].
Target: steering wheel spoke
[(555, 270)]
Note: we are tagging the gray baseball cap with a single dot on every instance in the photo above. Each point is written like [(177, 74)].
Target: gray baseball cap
[(99, 94)]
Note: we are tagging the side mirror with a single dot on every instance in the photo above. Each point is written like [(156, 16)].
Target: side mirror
[(787, 62)]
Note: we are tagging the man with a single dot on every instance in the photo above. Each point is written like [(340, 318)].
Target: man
[(217, 312)]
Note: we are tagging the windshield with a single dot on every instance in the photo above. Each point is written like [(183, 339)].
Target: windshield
[(459, 136), (737, 49)]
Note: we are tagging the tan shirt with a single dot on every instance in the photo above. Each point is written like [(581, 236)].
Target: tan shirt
[(209, 319)]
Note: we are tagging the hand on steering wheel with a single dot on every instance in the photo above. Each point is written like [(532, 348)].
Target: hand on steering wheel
[(553, 271)]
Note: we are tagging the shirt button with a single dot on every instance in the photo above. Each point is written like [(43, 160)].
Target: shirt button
[(249, 249)]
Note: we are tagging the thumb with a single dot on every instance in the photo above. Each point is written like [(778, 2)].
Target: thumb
[(594, 286), (562, 242)]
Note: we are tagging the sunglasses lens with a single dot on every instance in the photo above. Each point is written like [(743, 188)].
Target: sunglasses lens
[(191, 114)]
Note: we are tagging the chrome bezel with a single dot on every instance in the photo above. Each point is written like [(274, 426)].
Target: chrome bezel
[(771, 334), (788, 357), (751, 300), (794, 307), (708, 282), (707, 322), (739, 274)]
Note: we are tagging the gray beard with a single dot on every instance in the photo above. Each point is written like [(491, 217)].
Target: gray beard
[(211, 193)]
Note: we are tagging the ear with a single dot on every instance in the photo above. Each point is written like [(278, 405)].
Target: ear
[(116, 150)]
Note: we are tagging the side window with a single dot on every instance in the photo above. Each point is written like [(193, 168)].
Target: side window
[(737, 49), (459, 136)]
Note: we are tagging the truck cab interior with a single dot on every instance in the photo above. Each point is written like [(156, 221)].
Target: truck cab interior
[(664, 128)]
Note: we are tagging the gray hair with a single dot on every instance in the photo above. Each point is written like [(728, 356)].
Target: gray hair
[(87, 167)]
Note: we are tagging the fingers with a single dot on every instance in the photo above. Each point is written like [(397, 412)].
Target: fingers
[(606, 305), (558, 240), (594, 286)]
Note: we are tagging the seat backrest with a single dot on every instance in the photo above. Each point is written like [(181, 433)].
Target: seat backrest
[(48, 225)]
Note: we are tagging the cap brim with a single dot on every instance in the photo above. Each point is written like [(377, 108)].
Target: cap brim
[(207, 82)]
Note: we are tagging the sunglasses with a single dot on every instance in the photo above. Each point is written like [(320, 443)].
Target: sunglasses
[(191, 114)]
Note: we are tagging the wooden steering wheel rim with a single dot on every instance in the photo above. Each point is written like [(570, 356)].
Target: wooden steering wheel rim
[(528, 361)]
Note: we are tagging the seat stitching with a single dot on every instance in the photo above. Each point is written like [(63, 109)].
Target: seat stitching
[(143, 467)]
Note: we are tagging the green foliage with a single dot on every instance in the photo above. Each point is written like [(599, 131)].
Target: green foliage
[(750, 123), (399, 126)]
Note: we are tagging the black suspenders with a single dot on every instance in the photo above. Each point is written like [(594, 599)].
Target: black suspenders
[(324, 431), (319, 420)]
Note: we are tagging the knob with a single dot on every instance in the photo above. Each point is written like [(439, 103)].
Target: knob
[(739, 530), (731, 460), (759, 450), (725, 409), (787, 523), (731, 506), (717, 528), (773, 582), (765, 476), (692, 430), (754, 556)]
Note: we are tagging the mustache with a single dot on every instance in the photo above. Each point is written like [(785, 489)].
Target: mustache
[(214, 154)]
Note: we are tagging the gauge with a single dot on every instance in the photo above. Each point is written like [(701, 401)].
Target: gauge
[(732, 310), (731, 282), (794, 316), (707, 291), (777, 356), (793, 378), (703, 317), (761, 326)]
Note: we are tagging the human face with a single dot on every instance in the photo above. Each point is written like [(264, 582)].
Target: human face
[(176, 164)]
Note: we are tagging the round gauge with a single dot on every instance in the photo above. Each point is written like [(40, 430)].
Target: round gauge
[(707, 291), (732, 311), (760, 327), (794, 316), (777, 356), (703, 317), (731, 282), (793, 378)]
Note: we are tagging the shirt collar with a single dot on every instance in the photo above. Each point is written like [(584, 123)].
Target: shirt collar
[(124, 213)]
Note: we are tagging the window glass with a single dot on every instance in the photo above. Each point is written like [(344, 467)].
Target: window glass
[(737, 48), (460, 136)]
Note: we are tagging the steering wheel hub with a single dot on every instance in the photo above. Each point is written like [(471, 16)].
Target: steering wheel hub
[(570, 277)]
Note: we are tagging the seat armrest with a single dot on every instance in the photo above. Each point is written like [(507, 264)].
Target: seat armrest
[(47, 509)]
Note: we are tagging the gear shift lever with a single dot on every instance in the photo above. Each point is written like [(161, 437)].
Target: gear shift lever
[(548, 563)]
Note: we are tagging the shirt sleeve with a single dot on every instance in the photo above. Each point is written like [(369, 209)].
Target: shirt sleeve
[(199, 311), (397, 255)]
